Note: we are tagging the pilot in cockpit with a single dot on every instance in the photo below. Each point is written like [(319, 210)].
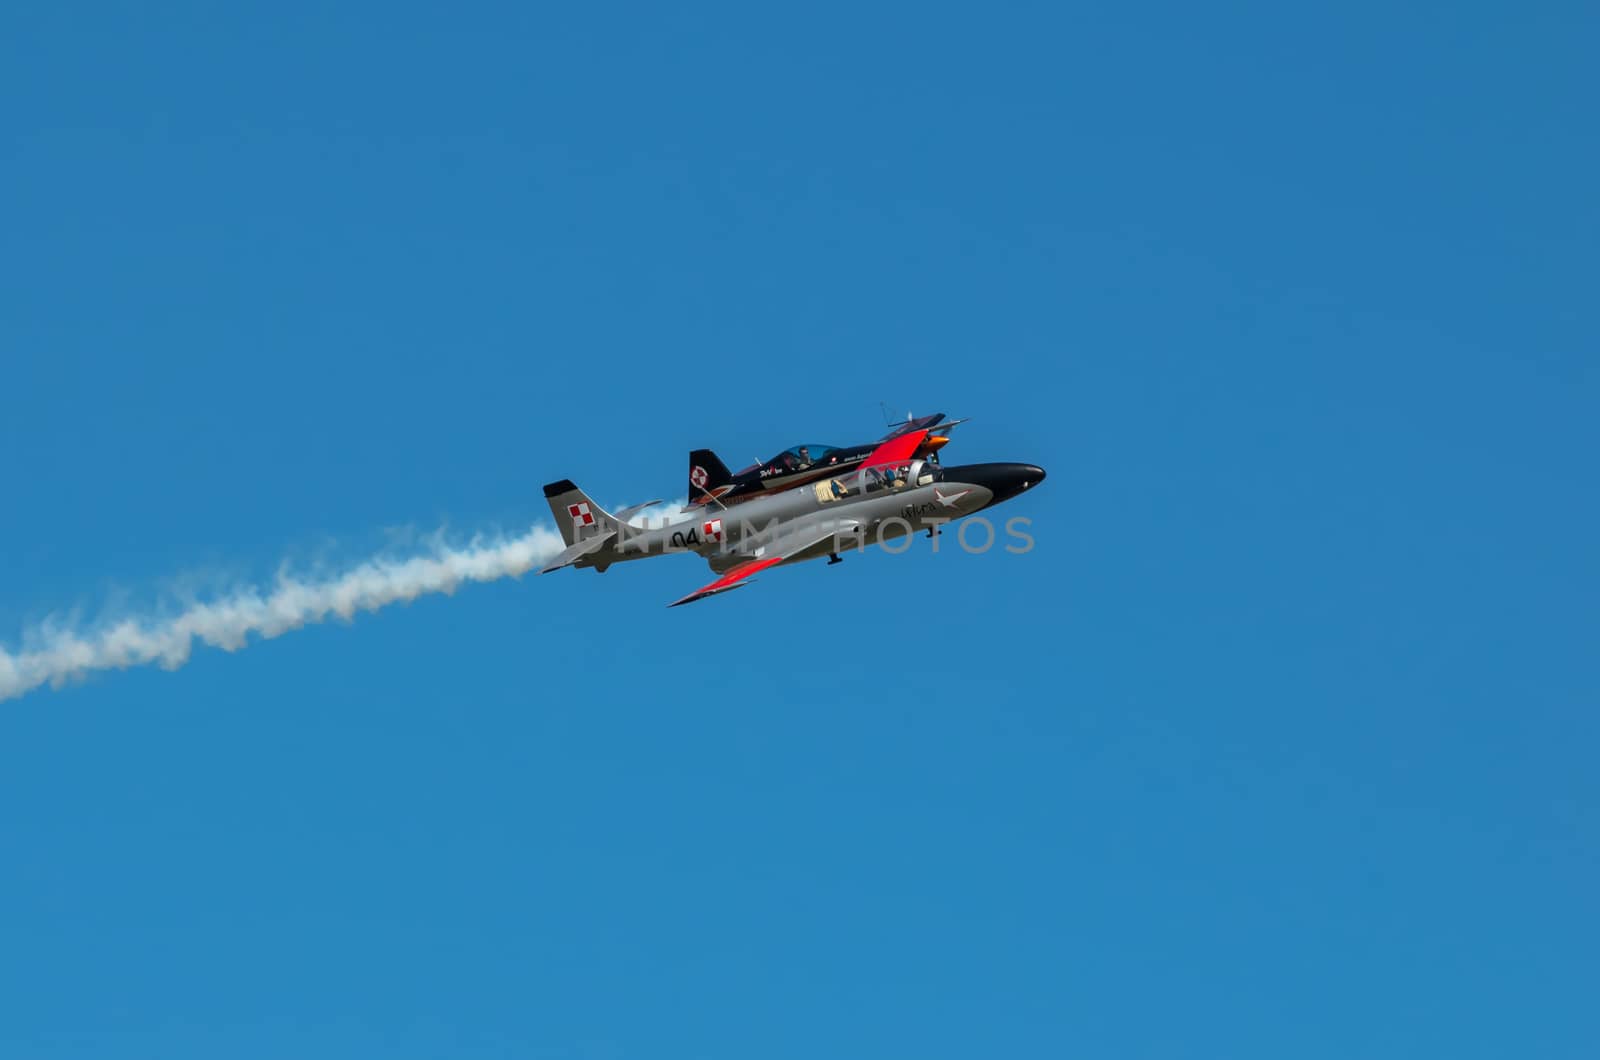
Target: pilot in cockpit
[(805, 456)]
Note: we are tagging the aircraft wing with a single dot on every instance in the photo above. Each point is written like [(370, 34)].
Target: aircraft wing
[(770, 556), (896, 450), (916, 423), (572, 553)]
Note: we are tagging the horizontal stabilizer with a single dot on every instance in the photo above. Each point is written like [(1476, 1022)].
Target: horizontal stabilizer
[(633, 509), (573, 553)]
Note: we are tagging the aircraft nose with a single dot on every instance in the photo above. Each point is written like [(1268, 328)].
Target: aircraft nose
[(1024, 477), (1003, 480), (1012, 479)]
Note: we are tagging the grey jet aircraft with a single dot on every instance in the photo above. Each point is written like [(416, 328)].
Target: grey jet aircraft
[(892, 494)]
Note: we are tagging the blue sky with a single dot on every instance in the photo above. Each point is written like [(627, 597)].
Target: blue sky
[(1280, 742)]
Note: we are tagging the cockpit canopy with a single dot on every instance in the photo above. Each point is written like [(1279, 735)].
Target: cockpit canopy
[(886, 478), (797, 457), (897, 476)]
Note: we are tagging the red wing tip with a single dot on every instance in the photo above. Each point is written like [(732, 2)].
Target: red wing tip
[(740, 575), (703, 593)]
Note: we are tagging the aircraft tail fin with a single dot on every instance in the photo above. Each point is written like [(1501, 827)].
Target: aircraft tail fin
[(709, 477), (577, 517)]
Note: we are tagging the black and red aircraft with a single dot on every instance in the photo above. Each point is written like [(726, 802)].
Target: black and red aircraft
[(710, 481)]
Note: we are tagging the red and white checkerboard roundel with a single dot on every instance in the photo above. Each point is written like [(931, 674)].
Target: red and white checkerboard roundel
[(712, 530), (698, 477), (580, 514)]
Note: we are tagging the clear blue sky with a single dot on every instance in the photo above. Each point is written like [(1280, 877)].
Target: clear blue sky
[(1280, 743)]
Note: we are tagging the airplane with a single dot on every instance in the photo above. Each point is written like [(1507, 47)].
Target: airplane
[(891, 494), (710, 481)]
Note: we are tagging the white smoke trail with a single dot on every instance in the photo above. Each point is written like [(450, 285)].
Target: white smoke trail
[(53, 656)]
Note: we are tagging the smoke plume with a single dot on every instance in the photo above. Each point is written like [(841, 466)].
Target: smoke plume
[(52, 655)]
